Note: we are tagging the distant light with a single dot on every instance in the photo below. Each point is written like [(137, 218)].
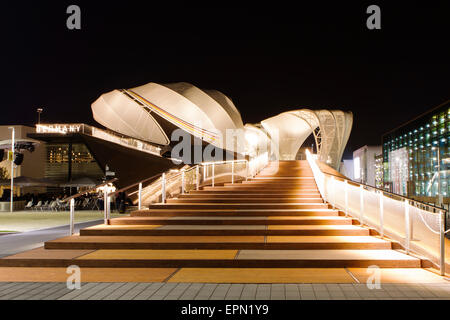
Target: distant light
[(251, 138)]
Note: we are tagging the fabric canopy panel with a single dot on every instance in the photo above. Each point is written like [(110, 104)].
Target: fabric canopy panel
[(152, 112), (136, 112), (331, 130), (117, 112)]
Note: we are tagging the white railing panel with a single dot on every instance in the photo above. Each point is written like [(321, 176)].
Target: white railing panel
[(403, 220), (424, 233)]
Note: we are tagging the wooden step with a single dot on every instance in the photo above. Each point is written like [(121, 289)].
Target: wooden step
[(243, 200), (222, 190), (280, 181), (214, 206), (90, 242), (273, 186), (229, 230), (246, 189), (229, 220), (170, 212), (208, 195), (242, 259)]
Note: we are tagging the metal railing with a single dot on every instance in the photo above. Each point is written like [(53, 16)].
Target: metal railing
[(418, 227), (186, 179), (72, 198), (182, 181)]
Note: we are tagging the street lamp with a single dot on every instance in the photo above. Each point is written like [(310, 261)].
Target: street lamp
[(12, 169), (39, 111)]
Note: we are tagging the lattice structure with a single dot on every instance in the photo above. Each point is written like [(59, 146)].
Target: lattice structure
[(330, 128)]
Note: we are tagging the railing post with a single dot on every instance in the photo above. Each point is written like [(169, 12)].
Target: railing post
[(380, 193), (197, 174), (105, 205), (182, 182), (407, 225), (213, 174), (232, 172), (361, 204), (163, 188), (246, 170), (333, 190), (140, 196), (442, 242), (72, 214), (346, 197)]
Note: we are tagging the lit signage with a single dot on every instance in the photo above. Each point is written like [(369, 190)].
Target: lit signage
[(58, 128)]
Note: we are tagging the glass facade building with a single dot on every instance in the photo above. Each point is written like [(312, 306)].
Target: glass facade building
[(416, 157), (61, 167)]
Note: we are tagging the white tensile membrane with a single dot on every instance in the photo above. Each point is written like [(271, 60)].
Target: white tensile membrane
[(331, 130), (211, 116)]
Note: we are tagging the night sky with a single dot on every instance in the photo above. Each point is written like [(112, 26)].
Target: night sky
[(266, 59)]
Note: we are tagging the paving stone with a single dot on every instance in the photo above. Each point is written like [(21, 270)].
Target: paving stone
[(60, 291), (305, 286), (175, 293), (149, 291), (121, 291), (206, 291), (396, 293), (163, 291), (11, 289), (36, 291), (235, 291), (221, 291), (19, 292), (263, 292), (76, 292), (307, 296), (106, 291), (191, 291), (292, 292), (98, 287)]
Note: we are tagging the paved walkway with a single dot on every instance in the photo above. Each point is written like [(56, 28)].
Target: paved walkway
[(15, 243), (30, 220), (223, 291)]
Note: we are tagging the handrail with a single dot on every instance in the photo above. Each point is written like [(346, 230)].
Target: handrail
[(384, 191), (89, 190), (405, 234), (164, 180), (136, 184)]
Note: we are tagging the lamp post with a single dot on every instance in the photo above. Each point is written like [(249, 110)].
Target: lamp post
[(39, 111), (12, 168)]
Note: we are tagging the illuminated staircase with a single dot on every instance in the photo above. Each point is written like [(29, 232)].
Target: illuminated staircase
[(277, 219)]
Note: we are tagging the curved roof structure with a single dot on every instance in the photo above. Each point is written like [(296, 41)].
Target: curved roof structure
[(151, 112), (331, 130)]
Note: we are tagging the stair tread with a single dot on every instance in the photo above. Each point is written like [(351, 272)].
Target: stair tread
[(227, 227), (217, 239), (237, 218), (325, 255)]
